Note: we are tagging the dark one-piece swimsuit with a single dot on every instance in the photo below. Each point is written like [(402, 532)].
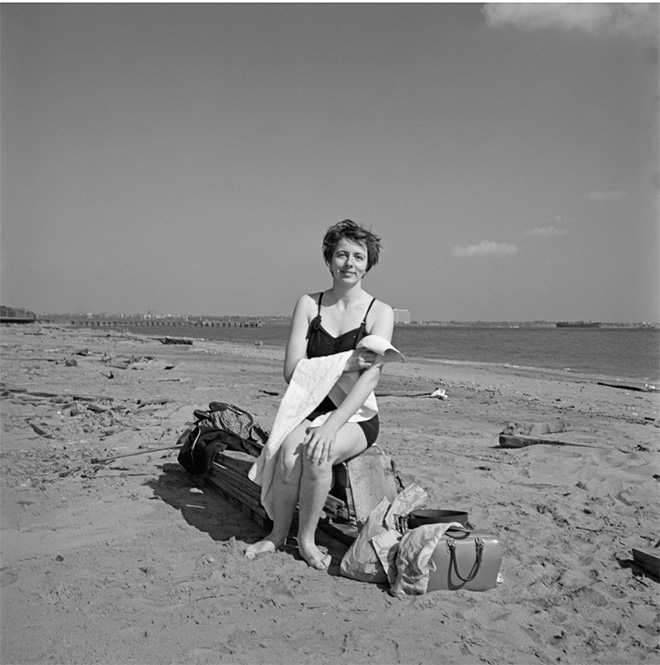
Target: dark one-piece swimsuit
[(321, 343)]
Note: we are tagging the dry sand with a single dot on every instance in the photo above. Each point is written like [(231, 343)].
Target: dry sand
[(135, 562)]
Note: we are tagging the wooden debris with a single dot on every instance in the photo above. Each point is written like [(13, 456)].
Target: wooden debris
[(56, 396), (370, 478), (636, 387), (228, 475), (649, 560), (176, 340), (519, 435), (156, 401), (363, 482), (41, 431)]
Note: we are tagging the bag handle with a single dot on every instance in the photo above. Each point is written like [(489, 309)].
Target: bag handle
[(453, 562)]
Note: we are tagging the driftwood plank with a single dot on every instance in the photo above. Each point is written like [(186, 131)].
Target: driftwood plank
[(508, 441), (244, 498), (334, 507), (638, 387), (238, 487), (236, 461), (370, 479), (649, 560), (241, 478), (344, 533), (519, 435)]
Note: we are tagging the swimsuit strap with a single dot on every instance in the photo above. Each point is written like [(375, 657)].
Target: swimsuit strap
[(364, 320), (366, 314), (315, 323)]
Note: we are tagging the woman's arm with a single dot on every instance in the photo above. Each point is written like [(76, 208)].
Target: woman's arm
[(296, 348)]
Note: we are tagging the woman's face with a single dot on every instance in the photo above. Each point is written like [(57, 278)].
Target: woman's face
[(349, 262)]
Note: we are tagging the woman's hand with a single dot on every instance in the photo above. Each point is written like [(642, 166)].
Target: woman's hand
[(320, 442), (360, 360)]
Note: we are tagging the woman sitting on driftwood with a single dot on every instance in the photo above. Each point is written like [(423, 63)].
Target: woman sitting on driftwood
[(297, 472)]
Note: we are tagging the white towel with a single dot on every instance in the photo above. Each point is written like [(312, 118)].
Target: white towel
[(312, 380)]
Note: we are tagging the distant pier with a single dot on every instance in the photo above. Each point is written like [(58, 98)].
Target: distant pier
[(154, 323)]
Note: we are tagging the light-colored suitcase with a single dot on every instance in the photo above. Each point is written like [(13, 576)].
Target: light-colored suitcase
[(466, 559)]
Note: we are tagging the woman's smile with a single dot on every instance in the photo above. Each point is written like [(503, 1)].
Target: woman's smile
[(349, 260)]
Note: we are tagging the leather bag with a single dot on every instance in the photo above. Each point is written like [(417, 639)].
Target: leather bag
[(465, 559), (222, 426)]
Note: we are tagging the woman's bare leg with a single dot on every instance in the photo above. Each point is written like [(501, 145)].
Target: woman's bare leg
[(315, 483), (285, 490)]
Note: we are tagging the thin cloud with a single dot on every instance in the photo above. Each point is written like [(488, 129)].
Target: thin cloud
[(547, 231), (634, 20), (605, 196), (485, 248)]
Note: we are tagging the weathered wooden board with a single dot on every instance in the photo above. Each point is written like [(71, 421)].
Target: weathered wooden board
[(520, 435), (230, 469), (638, 387), (649, 560), (243, 487), (236, 461), (370, 478), (568, 439), (245, 499), (343, 532)]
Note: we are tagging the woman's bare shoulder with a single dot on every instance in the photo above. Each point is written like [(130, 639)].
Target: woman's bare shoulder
[(381, 308), (380, 320), (309, 300), (307, 305)]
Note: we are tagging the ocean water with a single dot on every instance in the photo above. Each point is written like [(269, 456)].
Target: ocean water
[(624, 353)]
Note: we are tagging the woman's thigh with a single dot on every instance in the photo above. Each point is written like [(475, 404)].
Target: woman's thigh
[(350, 442)]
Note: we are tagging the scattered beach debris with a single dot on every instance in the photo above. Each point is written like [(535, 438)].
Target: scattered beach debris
[(105, 460), (649, 560), (130, 362), (438, 393), (635, 387), (519, 435), (176, 340), (41, 430)]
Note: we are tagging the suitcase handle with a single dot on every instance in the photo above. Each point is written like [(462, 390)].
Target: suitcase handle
[(453, 562)]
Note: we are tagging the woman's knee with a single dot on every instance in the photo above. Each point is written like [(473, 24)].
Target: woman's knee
[(314, 470), (289, 464)]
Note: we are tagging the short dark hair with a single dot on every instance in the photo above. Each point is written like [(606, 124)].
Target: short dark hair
[(349, 230)]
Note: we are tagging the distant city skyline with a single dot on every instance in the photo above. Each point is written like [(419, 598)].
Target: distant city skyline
[(189, 157)]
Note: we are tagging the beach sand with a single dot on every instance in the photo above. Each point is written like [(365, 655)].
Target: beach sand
[(133, 561)]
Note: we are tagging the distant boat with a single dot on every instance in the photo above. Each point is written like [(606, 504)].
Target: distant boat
[(578, 324)]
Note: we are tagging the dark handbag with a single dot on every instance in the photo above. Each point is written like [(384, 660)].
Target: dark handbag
[(249, 436), (466, 559), (222, 426), (199, 447)]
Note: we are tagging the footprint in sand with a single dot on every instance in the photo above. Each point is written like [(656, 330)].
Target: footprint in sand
[(7, 576)]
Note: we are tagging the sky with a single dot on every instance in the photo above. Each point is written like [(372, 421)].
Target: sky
[(188, 158)]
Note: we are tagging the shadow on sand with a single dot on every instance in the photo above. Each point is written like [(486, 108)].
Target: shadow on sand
[(222, 519)]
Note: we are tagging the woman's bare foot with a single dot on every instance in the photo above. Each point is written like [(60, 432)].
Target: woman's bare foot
[(265, 546), (314, 557)]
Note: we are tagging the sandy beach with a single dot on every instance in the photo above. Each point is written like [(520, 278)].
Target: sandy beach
[(134, 562)]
